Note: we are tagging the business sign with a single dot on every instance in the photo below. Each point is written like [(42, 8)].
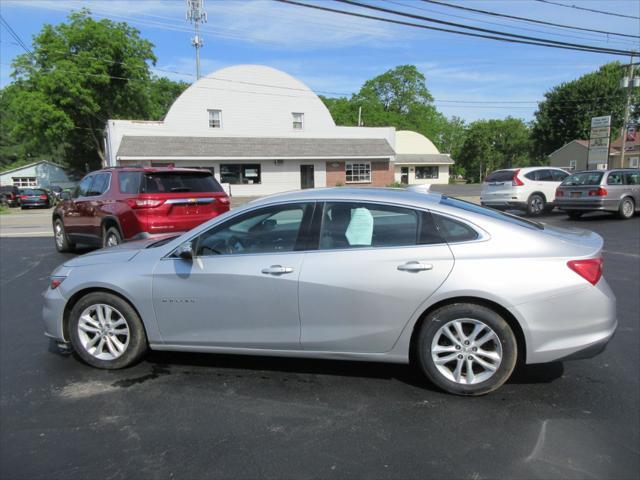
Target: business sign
[(601, 121), (599, 140)]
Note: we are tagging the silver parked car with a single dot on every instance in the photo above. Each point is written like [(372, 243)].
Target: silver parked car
[(359, 274), (616, 191)]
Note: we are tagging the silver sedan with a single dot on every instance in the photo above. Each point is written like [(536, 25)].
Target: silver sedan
[(385, 275)]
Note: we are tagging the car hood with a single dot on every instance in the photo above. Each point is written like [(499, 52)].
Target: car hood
[(120, 254)]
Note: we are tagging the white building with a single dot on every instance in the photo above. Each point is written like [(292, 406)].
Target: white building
[(418, 161), (258, 129), (38, 174)]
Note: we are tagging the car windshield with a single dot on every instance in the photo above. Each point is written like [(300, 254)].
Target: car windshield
[(583, 178), (500, 176), (489, 212), (168, 182)]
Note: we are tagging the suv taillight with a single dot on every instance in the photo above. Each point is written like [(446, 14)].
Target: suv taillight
[(516, 182), (590, 269), (559, 193), (600, 192), (144, 203)]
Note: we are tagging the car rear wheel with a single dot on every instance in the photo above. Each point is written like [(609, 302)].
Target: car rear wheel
[(106, 332), (535, 205), (112, 237), (63, 244), (466, 349), (574, 215), (626, 208)]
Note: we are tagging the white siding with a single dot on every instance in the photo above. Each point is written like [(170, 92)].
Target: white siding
[(46, 174)]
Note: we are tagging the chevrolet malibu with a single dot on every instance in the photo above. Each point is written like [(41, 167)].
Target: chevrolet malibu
[(384, 275)]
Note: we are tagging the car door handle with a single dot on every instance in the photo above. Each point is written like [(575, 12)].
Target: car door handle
[(276, 270), (415, 267)]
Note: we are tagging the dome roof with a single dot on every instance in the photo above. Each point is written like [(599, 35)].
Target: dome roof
[(252, 98), (412, 143)]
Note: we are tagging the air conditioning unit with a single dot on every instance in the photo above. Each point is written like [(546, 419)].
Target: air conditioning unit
[(278, 162), (601, 166)]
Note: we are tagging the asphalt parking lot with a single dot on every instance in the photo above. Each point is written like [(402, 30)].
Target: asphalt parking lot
[(213, 416)]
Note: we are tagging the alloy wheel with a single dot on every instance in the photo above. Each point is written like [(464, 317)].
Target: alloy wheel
[(537, 204), (466, 351), (112, 240), (627, 208), (59, 234), (103, 331)]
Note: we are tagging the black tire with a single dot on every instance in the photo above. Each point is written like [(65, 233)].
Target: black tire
[(549, 208), (61, 240), (574, 215), (626, 209), (536, 205), (111, 234), (137, 343), (441, 317)]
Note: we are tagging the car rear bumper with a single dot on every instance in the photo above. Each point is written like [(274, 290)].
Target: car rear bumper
[(577, 324), (35, 203), (587, 204)]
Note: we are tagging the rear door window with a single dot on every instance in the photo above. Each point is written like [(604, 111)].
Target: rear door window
[(129, 182), (175, 182), (453, 231), (545, 176)]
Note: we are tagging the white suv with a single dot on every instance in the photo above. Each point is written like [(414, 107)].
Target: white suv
[(532, 189)]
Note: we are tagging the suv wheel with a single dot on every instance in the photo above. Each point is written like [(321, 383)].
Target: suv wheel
[(466, 349), (106, 332), (112, 237), (535, 205), (626, 208), (63, 244)]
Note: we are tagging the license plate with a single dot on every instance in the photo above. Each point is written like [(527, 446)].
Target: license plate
[(575, 194)]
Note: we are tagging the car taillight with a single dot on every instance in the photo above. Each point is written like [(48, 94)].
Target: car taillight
[(590, 269), (144, 203), (516, 182), (55, 282), (600, 192), (559, 193), (23, 197), (43, 197)]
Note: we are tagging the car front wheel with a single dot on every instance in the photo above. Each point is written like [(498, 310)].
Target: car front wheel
[(466, 349), (535, 205), (112, 237), (63, 244), (106, 332)]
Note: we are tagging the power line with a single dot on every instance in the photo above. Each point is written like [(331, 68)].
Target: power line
[(429, 27), (531, 20), (538, 40), (588, 9)]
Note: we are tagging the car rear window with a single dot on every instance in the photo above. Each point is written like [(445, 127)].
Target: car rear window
[(500, 176), (490, 212), (583, 178), (33, 191), (168, 182)]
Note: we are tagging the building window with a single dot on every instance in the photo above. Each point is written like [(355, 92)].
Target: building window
[(427, 172), (573, 164), (633, 162), (21, 182), (240, 174), (358, 172), (298, 121), (215, 118)]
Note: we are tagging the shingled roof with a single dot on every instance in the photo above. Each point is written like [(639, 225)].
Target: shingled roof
[(230, 147)]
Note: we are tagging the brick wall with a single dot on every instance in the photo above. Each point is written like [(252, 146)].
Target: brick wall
[(381, 174)]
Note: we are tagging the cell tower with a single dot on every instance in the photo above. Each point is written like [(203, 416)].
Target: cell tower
[(196, 15)]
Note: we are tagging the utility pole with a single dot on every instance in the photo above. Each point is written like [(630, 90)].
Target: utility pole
[(359, 116), (628, 82), (196, 15)]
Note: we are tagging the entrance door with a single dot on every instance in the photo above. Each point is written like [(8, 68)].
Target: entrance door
[(404, 175), (306, 176)]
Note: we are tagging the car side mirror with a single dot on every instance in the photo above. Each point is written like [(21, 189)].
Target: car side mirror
[(65, 196), (185, 251)]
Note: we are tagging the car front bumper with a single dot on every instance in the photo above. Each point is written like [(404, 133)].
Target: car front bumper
[(53, 314)]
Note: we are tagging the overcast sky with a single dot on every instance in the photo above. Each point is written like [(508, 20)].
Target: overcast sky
[(335, 54)]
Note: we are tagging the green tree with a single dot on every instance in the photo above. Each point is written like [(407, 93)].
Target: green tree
[(80, 74), (566, 112), (494, 144)]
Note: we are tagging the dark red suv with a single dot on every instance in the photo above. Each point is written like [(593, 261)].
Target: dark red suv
[(116, 204)]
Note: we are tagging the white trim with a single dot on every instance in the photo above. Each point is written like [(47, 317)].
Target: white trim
[(31, 165)]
